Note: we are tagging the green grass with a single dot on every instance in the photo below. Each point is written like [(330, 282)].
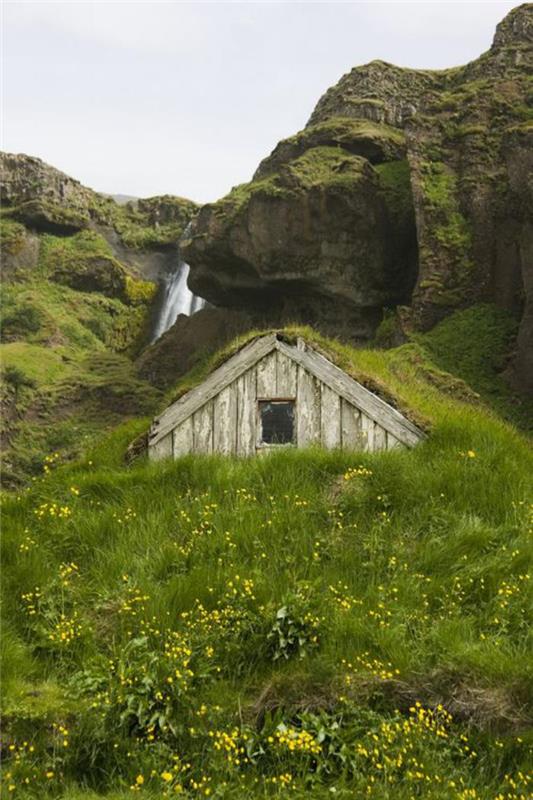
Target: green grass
[(281, 597), (344, 131), (42, 364), (489, 332), (322, 165), (73, 401), (327, 165), (75, 346), (12, 235)]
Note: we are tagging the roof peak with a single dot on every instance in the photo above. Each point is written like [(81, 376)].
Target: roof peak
[(307, 357)]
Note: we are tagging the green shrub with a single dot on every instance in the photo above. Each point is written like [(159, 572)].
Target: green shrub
[(21, 322)]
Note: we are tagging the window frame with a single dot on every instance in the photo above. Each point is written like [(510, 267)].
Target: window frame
[(260, 444)]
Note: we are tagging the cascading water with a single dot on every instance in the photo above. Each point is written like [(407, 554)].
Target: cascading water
[(177, 298)]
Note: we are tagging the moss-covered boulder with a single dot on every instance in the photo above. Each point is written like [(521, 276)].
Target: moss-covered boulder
[(86, 262), (155, 222), (313, 236), (372, 141)]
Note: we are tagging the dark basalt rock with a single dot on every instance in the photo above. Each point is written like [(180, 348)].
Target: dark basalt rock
[(189, 341)]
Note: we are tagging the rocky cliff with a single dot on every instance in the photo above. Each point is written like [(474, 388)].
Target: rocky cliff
[(406, 188)]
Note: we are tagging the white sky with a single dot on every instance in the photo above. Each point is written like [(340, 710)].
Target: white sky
[(184, 98)]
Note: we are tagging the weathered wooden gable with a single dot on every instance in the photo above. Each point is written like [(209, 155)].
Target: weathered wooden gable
[(223, 414)]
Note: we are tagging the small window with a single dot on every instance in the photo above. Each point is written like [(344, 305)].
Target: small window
[(277, 421)]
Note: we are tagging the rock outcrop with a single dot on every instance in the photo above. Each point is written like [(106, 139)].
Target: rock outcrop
[(406, 188), (469, 151), (46, 200), (322, 233)]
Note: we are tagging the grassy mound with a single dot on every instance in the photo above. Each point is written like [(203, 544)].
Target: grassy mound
[(312, 623)]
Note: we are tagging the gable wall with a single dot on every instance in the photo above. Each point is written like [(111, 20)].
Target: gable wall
[(228, 423)]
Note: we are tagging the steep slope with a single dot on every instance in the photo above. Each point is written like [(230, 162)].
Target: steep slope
[(407, 187), (329, 624), (80, 277)]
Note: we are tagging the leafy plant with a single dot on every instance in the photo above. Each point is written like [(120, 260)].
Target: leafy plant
[(295, 631)]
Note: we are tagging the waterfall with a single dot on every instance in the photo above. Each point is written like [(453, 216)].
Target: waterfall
[(177, 299)]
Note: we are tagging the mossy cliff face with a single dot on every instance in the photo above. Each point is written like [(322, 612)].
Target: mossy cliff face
[(466, 148), (407, 187), (80, 279)]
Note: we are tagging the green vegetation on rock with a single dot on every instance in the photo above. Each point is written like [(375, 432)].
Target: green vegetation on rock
[(441, 192), (326, 165), (153, 223), (11, 234), (395, 180), (318, 166), (361, 137)]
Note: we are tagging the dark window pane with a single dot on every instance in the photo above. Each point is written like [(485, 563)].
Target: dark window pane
[(277, 421)]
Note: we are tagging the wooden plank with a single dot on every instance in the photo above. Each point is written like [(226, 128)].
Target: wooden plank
[(369, 403), (246, 413), (266, 377), (330, 422), (392, 442), (286, 375), (202, 421), (308, 409), (183, 438), (225, 420), (161, 449), (367, 431), (380, 437), (213, 384), (350, 426)]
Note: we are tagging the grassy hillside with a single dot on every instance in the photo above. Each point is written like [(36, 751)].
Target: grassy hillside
[(70, 323), (307, 624)]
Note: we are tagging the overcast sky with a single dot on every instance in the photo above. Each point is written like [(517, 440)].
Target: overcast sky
[(147, 98)]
